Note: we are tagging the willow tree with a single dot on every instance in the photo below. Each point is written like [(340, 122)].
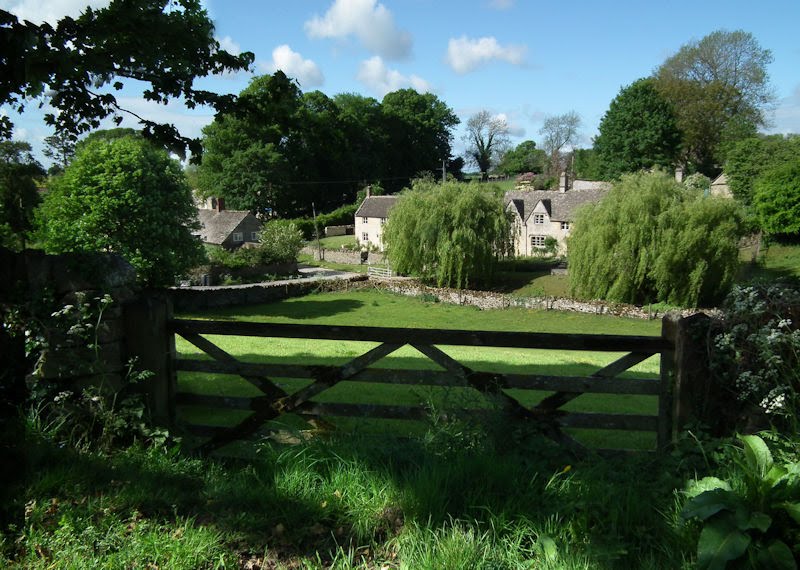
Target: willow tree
[(652, 239), (451, 234)]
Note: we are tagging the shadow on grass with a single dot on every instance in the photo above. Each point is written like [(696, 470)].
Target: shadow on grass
[(759, 273), (309, 308), (314, 498)]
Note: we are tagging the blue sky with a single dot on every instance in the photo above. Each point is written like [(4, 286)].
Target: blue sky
[(522, 59)]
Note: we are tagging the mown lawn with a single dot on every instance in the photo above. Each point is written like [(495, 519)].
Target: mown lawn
[(380, 308)]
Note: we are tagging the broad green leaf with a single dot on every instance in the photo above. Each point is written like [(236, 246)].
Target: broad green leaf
[(720, 542), (757, 454), (548, 547), (709, 503), (777, 556), (759, 521), (793, 510), (776, 474), (706, 484)]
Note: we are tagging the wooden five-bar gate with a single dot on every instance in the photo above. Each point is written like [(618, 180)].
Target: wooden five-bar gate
[(150, 332)]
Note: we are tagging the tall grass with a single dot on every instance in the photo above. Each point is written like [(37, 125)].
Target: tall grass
[(459, 499)]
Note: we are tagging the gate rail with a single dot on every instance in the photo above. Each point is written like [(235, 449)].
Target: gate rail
[(275, 401)]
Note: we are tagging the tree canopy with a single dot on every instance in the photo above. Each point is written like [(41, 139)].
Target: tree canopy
[(525, 157), (19, 194), (452, 234), (419, 128), (719, 89), (128, 197), (486, 138), (651, 239), (776, 199), (558, 132), (747, 159), (164, 43), (639, 131), (283, 150)]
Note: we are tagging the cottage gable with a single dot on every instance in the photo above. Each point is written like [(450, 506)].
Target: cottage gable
[(376, 207), (370, 219), (228, 228), (548, 213)]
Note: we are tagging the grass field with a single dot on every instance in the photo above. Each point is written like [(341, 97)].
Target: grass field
[(380, 308)]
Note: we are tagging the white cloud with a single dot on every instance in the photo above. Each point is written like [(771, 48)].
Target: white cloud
[(38, 11), (293, 65), (374, 74), (229, 45), (465, 54), (368, 21), (514, 128)]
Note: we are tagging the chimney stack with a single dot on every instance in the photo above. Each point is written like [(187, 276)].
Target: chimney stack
[(220, 204), (563, 182), (369, 190)]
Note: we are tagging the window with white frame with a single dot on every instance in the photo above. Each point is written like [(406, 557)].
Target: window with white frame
[(365, 236), (238, 237), (253, 236), (537, 241), (565, 226), (365, 220), (538, 218)]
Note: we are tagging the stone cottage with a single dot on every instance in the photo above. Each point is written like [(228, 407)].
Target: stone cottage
[(539, 214), (230, 229), (370, 219)]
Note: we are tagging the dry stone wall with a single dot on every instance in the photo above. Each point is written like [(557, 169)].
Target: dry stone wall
[(80, 298), (490, 300)]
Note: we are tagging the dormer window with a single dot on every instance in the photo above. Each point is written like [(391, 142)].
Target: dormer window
[(538, 218)]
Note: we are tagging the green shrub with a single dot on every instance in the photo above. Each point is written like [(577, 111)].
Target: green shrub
[(452, 234), (754, 518), (651, 239), (755, 355), (281, 241)]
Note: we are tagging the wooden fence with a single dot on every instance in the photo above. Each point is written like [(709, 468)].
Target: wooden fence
[(378, 271), (675, 387)]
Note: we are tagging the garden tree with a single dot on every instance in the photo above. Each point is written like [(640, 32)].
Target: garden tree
[(163, 43), (106, 135), (60, 148), (419, 129), (486, 138), (747, 159), (128, 197), (639, 131), (317, 149), (244, 158), (19, 194), (586, 164), (366, 138), (651, 239), (524, 158), (776, 199), (719, 90), (559, 131), (452, 234)]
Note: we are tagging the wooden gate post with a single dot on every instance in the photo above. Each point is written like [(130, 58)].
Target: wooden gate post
[(149, 340), (688, 367)]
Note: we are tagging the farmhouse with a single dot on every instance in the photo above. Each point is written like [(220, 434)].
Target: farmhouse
[(539, 214), (227, 228), (370, 219)]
